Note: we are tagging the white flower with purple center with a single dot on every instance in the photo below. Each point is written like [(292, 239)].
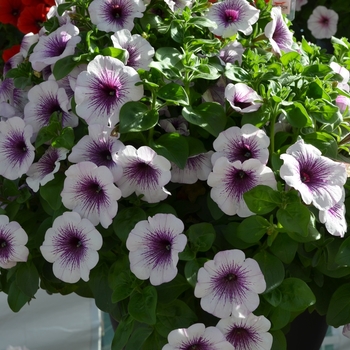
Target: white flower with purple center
[(232, 53), (197, 337), (232, 16), (71, 245), (229, 285), (318, 179), (249, 333), (197, 167), (343, 103), (336, 67), (144, 172), (113, 15), (242, 98), (89, 190), (334, 218), (154, 246), (104, 88), (100, 148), (6, 90), (16, 151), (27, 41), (248, 142), (278, 33), (12, 243), (323, 22), (230, 180), (43, 171), (45, 99), (139, 51), (58, 44), (216, 92)]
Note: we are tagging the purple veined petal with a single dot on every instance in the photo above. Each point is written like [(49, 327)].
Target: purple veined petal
[(229, 181), (71, 245), (100, 148), (154, 245), (250, 332), (113, 15), (232, 16), (242, 98), (58, 44), (12, 243), (232, 53), (16, 151), (89, 190), (248, 142), (323, 22), (229, 286), (318, 179), (144, 172), (43, 171), (101, 91)]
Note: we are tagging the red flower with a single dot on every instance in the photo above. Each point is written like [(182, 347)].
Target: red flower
[(10, 11), (8, 53), (36, 2), (32, 18)]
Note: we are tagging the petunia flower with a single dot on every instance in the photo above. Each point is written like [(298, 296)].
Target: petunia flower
[(139, 50), (242, 98), (343, 103), (299, 4), (230, 180), (323, 22), (10, 52), (248, 142), (229, 285), (104, 88), (71, 245), (113, 15), (175, 124), (154, 246), (144, 172), (232, 53), (27, 41), (198, 337), (10, 11), (232, 16), (216, 92), (89, 190), (58, 44), (43, 171), (246, 333), (16, 151), (100, 148), (278, 33), (45, 99), (178, 5), (318, 179), (344, 84), (197, 167), (32, 17), (12, 243), (334, 218)]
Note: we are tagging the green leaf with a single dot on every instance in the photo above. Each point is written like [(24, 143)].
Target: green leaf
[(202, 22), (284, 248), (279, 318), (296, 295), (9, 188), (297, 115), (126, 220), (279, 340), (173, 93), (306, 47), (209, 115), (114, 52), (51, 191), (294, 218), (172, 146), (174, 315), (206, 71), (63, 7), (262, 199), (290, 57), (317, 70), (136, 117), (65, 139), (168, 56), (325, 142), (16, 298), (191, 270), (343, 255), (168, 292), (253, 228), (272, 269), (236, 74), (325, 112), (123, 286), (27, 279), (142, 305), (138, 337), (201, 236), (339, 307), (122, 334), (64, 66)]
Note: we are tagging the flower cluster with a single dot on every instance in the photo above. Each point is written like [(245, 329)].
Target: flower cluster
[(184, 163)]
